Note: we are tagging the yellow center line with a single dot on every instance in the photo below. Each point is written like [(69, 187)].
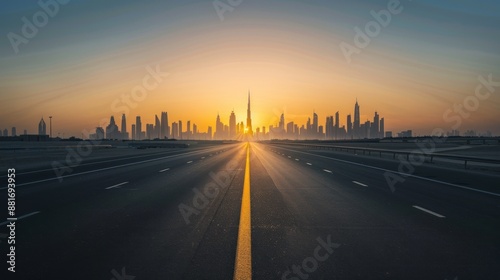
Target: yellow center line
[(243, 265)]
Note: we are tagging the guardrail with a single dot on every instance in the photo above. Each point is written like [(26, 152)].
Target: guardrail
[(369, 151)]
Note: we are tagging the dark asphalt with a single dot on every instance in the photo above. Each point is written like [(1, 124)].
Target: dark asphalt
[(174, 214)]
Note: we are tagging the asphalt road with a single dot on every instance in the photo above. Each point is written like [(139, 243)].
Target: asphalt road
[(260, 210)]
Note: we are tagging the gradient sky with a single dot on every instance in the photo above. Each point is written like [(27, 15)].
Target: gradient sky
[(286, 53)]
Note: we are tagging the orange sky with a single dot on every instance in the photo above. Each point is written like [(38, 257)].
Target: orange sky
[(287, 55)]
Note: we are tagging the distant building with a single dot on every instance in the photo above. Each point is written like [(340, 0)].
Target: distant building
[(180, 129), (382, 127), (175, 130), (209, 132), (124, 133), (388, 134), (405, 134), (232, 126), (112, 130), (98, 135), (14, 133), (138, 128), (157, 128), (42, 127), (165, 129), (249, 129)]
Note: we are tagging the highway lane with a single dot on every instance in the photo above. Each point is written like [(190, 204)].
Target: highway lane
[(73, 163), (385, 236), (312, 217), (86, 228)]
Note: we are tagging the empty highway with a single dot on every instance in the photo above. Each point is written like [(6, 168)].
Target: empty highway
[(252, 211)]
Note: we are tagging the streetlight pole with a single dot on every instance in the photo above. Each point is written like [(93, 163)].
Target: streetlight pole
[(50, 117)]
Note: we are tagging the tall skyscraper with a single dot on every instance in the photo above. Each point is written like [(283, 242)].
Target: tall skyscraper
[(134, 133), (349, 126), (112, 129), (232, 126), (219, 129), (157, 128), (180, 129), (337, 126), (329, 128), (315, 125), (150, 131), (382, 128), (375, 133), (249, 118), (138, 128), (188, 130), (124, 128), (281, 125), (14, 132), (290, 130), (165, 129), (355, 128), (175, 130), (42, 127), (309, 130)]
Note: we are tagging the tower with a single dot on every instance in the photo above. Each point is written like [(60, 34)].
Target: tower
[(375, 133), (232, 126), (138, 128), (42, 127), (356, 120), (249, 118), (165, 129), (124, 132)]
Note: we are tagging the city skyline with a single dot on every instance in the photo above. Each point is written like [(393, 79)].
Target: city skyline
[(413, 70), (333, 128)]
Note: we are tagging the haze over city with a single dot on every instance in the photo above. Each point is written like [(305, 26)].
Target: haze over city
[(81, 66)]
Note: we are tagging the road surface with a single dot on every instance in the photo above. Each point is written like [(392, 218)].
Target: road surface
[(252, 210)]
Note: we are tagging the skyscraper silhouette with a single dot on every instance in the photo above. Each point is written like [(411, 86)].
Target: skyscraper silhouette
[(356, 127), (375, 133), (315, 125), (249, 118), (165, 129), (219, 128), (138, 128), (42, 127), (281, 125), (232, 126), (112, 129), (157, 128), (124, 128)]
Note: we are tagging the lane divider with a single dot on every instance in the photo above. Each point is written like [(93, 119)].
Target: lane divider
[(243, 262), (428, 211), (358, 183), (161, 171), (117, 185)]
